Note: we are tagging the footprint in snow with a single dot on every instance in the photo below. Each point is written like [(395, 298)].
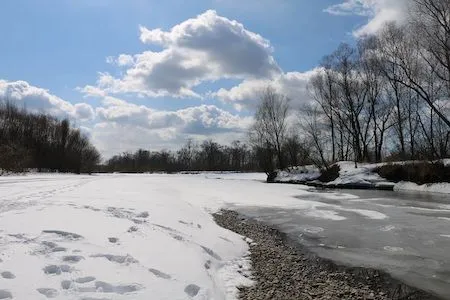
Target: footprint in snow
[(120, 259), (105, 287), (144, 215), (113, 240), (211, 253), (85, 279), (8, 275), (57, 270), (73, 258), (47, 292), (5, 294), (65, 234), (66, 284), (192, 290), (160, 274)]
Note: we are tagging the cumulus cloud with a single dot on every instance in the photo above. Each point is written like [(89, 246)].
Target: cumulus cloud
[(292, 84), (205, 48), (40, 100), (124, 126), (122, 60), (378, 12)]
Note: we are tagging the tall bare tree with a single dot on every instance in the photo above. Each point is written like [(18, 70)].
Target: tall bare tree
[(270, 126)]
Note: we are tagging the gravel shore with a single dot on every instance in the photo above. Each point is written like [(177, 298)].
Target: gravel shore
[(285, 270)]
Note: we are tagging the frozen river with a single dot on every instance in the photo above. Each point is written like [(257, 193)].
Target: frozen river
[(409, 237), (152, 236)]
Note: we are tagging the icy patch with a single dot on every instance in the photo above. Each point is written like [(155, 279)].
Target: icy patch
[(445, 235), (387, 228), (311, 229), (325, 214), (393, 249), (370, 214)]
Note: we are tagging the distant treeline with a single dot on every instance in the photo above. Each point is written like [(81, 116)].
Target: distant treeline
[(206, 156), (42, 142)]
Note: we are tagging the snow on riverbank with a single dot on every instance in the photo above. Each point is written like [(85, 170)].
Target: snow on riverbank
[(363, 176), (441, 188)]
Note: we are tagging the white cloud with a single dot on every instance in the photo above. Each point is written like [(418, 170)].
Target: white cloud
[(378, 12), (206, 48), (122, 60), (124, 126), (40, 100), (292, 84)]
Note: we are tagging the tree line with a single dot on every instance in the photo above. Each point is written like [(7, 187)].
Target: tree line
[(42, 142), (205, 156), (387, 97)]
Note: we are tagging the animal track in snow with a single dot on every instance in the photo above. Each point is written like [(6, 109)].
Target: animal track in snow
[(160, 274), (47, 292), (8, 275)]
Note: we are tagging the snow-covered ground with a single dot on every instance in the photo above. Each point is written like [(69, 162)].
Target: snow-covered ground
[(363, 175), (131, 236), (112, 237)]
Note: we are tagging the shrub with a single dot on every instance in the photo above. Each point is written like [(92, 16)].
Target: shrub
[(420, 173), (330, 174)]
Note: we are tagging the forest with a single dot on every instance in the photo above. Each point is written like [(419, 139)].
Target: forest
[(386, 98), (43, 143)]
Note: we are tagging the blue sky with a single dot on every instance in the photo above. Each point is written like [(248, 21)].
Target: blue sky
[(54, 49)]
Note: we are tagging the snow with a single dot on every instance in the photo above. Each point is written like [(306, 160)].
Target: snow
[(442, 188), (362, 175), (123, 237), (138, 237), (299, 174)]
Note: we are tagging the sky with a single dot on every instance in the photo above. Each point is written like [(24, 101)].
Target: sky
[(152, 74)]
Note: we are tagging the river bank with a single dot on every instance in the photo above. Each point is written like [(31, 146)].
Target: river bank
[(283, 269)]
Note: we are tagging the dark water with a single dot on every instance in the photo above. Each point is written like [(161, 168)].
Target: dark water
[(405, 234)]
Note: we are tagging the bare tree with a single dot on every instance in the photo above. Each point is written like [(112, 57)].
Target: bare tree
[(270, 126)]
